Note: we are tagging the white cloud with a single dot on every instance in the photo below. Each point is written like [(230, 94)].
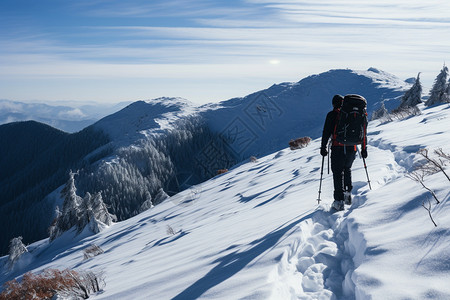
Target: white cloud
[(74, 114), (214, 42)]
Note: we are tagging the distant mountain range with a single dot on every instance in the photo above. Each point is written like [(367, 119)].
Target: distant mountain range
[(68, 118), (165, 143)]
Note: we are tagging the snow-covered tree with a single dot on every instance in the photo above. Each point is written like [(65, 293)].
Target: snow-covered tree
[(90, 211), (16, 249), (100, 211), (147, 203), (447, 93), (70, 213), (438, 91), (413, 96), (71, 206), (160, 196), (54, 230), (382, 112), (85, 210)]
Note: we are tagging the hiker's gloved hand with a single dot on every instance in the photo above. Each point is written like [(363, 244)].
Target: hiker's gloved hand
[(364, 153), (323, 151)]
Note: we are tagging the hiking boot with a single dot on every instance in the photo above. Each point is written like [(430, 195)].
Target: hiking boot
[(348, 198), (338, 205)]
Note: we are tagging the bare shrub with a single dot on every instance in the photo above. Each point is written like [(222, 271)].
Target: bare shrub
[(221, 171), (253, 159), (435, 165), (85, 283), (91, 251), (68, 283), (299, 143), (418, 175), (431, 165), (402, 113), (429, 212), (170, 230)]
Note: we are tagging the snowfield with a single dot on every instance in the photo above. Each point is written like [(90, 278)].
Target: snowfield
[(257, 231)]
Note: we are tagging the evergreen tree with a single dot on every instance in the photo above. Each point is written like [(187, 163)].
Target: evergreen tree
[(91, 210), (160, 196), (16, 249), (99, 217), (147, 203), (71, 206), (413, 96), (447, 93), (100, 211), (85, 210), (439, 89), (53, 230), (382, 112), (70, 213)]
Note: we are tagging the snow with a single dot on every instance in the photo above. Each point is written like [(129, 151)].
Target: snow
[(265, 120), (144, 118), (257, 232)]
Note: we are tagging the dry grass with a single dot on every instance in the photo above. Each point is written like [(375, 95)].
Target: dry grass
[(221, 171), (299, 143), (51, 282)]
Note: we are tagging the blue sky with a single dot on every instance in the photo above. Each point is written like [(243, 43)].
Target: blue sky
[(206, 51)]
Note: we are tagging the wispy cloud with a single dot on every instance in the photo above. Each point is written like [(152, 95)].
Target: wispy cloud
[(212, 40)]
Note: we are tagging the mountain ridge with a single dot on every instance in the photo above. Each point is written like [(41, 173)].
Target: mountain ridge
[(163, 141)]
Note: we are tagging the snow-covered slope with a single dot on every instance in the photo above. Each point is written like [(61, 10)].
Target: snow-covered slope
[(144, 118), (265, 121), (257, 231), (161, 142)]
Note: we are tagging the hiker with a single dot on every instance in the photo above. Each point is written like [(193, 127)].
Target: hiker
[(342, 155)]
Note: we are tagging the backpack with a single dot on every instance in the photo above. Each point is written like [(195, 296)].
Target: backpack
[(351, 123)]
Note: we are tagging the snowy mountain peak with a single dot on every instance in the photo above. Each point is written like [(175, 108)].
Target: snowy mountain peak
[(171, 101), (141, 118), (384, 79), (268, 119)]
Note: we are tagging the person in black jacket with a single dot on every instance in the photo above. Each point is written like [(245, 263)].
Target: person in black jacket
[(342, 157)]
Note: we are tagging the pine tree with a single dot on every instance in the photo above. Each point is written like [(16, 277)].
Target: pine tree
[(100, 211), (54, 230), (438, 91), (147, 203), (447, 92), (16, 249), (70, 213), (91, 210), (71, 206), (85, 210), (382, 112), (160, 196), (413, 96)]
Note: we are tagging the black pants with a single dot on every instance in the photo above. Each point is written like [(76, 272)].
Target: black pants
[(341, 163)]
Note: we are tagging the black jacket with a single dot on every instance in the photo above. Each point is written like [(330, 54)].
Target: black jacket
[(328, 127)]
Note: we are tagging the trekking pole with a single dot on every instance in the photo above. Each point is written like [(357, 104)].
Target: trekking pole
[(367, 173), (329, 147), (321, 175)]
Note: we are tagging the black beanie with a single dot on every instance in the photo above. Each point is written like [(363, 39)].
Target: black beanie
[(337, 101)]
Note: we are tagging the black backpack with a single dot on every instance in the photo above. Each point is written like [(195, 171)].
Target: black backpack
[(352, 121)]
